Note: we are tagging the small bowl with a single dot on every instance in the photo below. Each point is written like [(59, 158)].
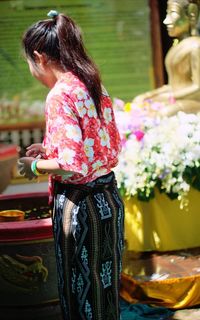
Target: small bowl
[(11, 215)]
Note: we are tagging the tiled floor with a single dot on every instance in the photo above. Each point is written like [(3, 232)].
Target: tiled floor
[(165, 265), (149, 266)]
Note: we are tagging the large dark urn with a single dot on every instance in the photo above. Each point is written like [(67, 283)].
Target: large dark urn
[(28, 283)]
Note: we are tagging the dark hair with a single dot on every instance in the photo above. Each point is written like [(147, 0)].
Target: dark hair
[(61, 40)]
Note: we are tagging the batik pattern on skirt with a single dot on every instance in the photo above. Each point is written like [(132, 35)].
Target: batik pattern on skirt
[(88, 225)]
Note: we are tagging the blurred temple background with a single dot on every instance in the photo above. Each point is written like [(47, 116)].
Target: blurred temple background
[(128, 42), (116, 34)]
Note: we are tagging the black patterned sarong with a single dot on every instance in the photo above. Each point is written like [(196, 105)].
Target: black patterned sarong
[(88, 230)]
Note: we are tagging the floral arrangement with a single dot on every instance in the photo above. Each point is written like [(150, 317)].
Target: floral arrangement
[(162, 153)]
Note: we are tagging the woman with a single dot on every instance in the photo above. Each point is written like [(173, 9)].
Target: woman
[(80, 148), (182, 93)]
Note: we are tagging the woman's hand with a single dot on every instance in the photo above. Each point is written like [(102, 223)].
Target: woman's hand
[(35, 150), (24, 167)]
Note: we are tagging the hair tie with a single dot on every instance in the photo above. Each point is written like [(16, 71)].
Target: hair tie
[(52, 14)]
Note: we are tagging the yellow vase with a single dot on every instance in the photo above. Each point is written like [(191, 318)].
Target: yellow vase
[(161, 225)]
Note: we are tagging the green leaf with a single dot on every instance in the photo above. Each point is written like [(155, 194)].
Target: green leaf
[(144, 196), (172, 195), (188, 174)]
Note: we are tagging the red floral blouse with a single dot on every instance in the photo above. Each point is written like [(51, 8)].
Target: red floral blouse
[(84, 145)]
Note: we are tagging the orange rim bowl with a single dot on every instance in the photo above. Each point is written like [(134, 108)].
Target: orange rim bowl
[(11, 215)]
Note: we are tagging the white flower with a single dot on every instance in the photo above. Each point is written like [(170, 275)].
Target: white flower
[(91, 109), (84, 169), (67, 156), (107, 115), (100, 172), (66, 176), (73, 132), (81, 108), (105, 140), (88, 147), (81, 94), (69, 112), (96, 165)]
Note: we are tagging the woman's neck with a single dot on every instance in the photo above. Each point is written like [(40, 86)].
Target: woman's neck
[(55, 74)]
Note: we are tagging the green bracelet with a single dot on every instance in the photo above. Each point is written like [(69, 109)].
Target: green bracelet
[(34, 168)]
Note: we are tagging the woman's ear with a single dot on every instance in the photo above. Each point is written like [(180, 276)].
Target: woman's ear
[(40, 58)]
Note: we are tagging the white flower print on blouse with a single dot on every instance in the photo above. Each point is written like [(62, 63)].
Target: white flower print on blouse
[(66, 175), (96, 165), (88, 147), (81, 94), (68, 111), (105, 139), (73, 132), (91, 110), (67, 156), (58, 122), (81, 108), (100, 172), (84, 169), (107, 115)]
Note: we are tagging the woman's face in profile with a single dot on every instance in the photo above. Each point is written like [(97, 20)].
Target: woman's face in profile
[(176, 20)]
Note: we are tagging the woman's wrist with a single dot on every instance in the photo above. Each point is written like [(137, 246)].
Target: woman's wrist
[(34, 168)]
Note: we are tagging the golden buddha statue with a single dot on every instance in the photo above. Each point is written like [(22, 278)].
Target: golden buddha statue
[(182, 93)]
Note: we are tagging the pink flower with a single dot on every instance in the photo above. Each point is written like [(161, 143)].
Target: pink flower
[(139, 134), (118, 104)]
